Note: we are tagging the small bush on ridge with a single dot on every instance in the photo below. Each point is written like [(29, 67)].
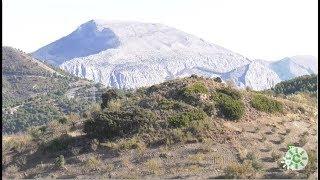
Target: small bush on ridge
[(183, 119), (263, 103)]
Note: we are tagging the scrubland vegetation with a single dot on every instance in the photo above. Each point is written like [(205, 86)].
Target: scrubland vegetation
[(175, 129)]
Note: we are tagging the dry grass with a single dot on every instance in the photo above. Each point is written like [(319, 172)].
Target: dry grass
[(242, 152), (93, 163), (17, 142), (275, 156), (154, 166), (115, 105), (263, 138), (196, 158), (239, 171)]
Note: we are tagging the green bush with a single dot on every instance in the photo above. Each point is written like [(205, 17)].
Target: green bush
[(63, 120), (60, 161), (196, 88), (230, 108), (108, 124), (35, 133), (191, 94), (209, 108), (231, 92), (218, 79), (262, 103), (167, 104), (306, 83), (108, 96), (58, 144), (147, 103), (184, 119)]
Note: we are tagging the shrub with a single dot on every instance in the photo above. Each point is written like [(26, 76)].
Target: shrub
[(58, 144), (147, 103), (196, 88), (251, 156), (257, 165), (312, 165), (302, 141), (183, 119), (63, 120), (132, 143), (193, 93), (218, 79), (75, 151), (231, 92), (35, 133), (248, 88), (194, 76), (209, 108), (229, 107), (60, 162), (93, 163), (114, 105), (118, 123), (239, 171), (275, 156), (21, 160), (262, 103), (107, 97), (166, 104)]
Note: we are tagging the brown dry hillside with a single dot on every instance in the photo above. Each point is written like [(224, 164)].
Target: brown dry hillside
[(187, 128)]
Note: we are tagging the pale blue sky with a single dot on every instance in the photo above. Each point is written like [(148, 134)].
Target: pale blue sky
[(262, 29)]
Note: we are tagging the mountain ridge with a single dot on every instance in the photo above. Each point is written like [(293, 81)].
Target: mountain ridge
[(133, 54)]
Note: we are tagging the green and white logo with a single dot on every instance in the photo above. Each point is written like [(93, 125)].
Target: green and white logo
[(295, 159)]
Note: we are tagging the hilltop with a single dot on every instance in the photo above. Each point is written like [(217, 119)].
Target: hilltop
[(192, 127)]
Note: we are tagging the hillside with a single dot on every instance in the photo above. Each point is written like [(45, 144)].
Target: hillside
[(306, 83), (35, 93), (186, 128)]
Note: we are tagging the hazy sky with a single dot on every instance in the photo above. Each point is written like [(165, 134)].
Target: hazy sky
[(261, 29)]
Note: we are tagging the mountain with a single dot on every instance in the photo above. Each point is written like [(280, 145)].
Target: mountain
[(35, 93), (260, 74), (291, 67), (136, 54), (133, 54), (256, 75)]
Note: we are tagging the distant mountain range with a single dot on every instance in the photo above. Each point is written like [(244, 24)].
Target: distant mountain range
[(133, 54)]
